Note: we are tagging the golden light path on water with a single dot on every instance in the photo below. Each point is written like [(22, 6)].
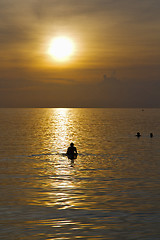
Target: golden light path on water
[(60, 128), (62, 182)]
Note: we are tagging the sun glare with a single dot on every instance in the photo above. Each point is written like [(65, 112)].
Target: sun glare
[(61, 48)]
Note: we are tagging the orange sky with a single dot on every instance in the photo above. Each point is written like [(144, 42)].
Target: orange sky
[(115, 64)]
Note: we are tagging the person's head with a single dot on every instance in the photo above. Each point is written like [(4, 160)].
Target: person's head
[(72, 144)]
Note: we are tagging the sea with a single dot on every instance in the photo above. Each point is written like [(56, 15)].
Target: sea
[(111, 191)]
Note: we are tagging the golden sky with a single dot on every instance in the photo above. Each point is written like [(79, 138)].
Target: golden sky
[(116, 62)]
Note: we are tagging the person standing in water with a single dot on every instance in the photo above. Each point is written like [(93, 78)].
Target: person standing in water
[(72, 152), (151, 135), (138, 134)]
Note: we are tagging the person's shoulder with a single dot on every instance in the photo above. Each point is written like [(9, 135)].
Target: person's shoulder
[(68, 149)]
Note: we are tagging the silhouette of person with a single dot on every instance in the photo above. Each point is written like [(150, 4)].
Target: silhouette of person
[(138, 134), (72, 152), (151, 135)]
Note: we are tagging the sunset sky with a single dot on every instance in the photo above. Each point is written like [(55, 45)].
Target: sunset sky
[(115, 62)]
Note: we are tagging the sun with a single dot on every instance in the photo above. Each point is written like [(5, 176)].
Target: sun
[(61, 48)]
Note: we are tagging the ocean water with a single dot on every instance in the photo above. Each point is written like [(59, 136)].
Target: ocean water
[(111, 191)]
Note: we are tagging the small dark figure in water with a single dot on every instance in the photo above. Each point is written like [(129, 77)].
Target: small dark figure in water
[(138, 134), (72, 152), (151, 135)]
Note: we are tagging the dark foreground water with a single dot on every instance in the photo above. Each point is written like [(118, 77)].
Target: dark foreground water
[(110, 192)]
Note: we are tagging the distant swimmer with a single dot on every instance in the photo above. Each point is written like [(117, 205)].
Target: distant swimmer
[(151, 135), (138, 134), (72, 152)]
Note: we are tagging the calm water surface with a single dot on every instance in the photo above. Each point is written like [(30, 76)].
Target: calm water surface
[(110, 192)]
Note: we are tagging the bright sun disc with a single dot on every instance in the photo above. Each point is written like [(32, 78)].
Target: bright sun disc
[(61, 48)]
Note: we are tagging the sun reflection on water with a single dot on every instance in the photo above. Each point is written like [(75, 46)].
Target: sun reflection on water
[(62, 185), (60, 128), (61, 180)]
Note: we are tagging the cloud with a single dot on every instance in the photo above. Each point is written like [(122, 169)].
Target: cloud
[(133, 10)]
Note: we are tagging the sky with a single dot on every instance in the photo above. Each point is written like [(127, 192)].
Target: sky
[(116, 62)]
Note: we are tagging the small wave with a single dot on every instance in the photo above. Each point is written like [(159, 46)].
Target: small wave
[(47, 154), (64, 154)]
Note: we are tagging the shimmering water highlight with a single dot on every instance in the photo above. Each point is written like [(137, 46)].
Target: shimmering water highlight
[(111, 191)]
